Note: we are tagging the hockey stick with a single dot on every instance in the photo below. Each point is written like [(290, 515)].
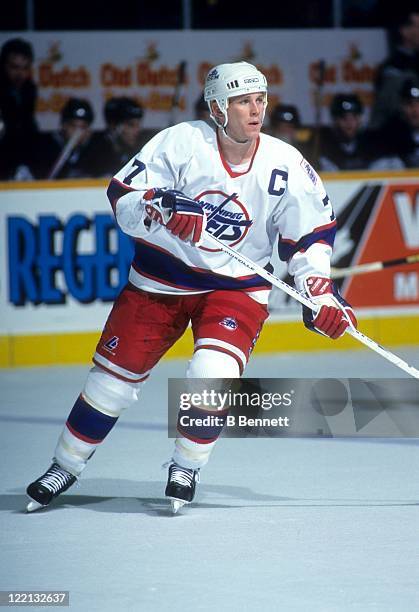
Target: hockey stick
[(277, 282), (220, 206), (65, 153), (373, 267)]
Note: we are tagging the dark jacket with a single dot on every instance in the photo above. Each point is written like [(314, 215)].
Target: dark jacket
[(339, 153), (19, 139)]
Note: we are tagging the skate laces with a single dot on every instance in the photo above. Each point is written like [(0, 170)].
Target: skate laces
[(55, 479), (183, 476)]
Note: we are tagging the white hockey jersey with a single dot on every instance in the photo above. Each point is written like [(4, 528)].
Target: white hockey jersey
[(276, 197)]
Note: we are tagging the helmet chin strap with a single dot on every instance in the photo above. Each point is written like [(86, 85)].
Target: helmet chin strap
[(223, 126)]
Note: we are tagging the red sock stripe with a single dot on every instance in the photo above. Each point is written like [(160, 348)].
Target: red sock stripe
[(80, 436), (197, 440)]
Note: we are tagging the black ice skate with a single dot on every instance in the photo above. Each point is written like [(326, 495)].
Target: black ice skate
[(42, 491), (181, 483)]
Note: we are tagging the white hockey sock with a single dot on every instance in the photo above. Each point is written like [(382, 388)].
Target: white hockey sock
[(72, 453), (191, 454), (94, 414)]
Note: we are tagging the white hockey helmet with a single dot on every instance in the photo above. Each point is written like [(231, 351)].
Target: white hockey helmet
[(228, 80)]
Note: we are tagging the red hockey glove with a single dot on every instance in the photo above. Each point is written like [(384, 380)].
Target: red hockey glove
[(334, 314), (181, 215)]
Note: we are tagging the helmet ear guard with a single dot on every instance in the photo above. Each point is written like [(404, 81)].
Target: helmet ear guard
[(230, 80), (220, 110)]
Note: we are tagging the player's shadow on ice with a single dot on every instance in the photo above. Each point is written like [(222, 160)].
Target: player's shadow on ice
[(136, 497), (126, 496)]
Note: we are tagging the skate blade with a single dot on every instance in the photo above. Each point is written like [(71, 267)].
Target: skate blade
[(34, 505), (177, 504)]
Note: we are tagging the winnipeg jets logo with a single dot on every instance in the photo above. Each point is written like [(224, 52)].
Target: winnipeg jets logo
[(229, 323), (227, 218)]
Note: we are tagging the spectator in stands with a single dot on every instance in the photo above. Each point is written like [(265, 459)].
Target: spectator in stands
[(71, 151), (346, 144), (18, 95), (399, 136), (401, 66), (284, 123), (123, 135)]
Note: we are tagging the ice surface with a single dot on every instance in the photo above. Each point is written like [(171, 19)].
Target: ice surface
[(313, 525)]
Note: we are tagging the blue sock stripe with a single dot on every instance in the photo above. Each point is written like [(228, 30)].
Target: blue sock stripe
[(89, 422)]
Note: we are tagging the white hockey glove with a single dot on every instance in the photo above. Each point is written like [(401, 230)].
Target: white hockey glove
[(181, 215), (334, 314)]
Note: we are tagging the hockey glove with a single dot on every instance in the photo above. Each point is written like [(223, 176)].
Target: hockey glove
[(334, 313), (180, 214)]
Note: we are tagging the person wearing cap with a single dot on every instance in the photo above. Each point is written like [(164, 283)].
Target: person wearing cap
[(191, 182), (401, 65), (70, 151), (285, 123), (399, 136), (346, 144), (123, 135)]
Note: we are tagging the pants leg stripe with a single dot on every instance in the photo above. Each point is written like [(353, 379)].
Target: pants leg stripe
[(117, 371), (220, 345)]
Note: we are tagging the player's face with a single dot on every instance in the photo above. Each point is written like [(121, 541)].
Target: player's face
[(245, 116)]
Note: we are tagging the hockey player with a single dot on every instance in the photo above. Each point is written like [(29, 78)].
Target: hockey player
[(250, 190)]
